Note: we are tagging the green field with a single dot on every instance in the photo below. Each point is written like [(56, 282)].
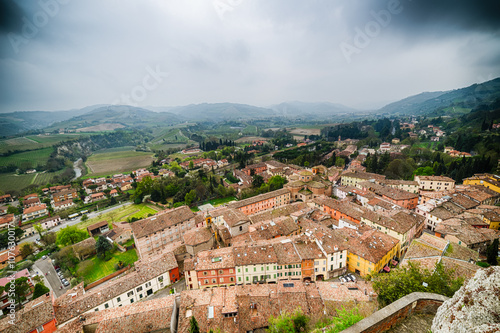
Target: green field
[(122, 214), (117, 160), (28, 159), (102, 268), (35, 141), (13, 182)]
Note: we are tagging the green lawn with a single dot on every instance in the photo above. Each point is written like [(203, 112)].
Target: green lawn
[(103, 268), (122, 214), (218, 202)]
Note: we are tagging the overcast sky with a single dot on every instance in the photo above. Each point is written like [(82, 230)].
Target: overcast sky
[(58, 55)]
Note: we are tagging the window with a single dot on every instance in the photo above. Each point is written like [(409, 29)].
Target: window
[(106, 305), (131, 300), (262, 268), (205, 273), (255, 269), (241, 228), (358, 264), (206, 281), (221, 271), (212, 272), (239, 278), (231, 279), (118, 299), (340, 266), (40, 329), (160, 279), (96, 309), (247, 278), (213, 280), (130, 293), (230, 270), (221, 280)]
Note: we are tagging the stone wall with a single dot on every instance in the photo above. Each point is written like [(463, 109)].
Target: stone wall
[(396, 312)]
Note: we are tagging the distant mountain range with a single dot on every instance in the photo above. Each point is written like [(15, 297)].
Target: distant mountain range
[(107, 117)]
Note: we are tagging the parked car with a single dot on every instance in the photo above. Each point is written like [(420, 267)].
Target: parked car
[(66, 283), (58, 269), (348, 278), (342, 279), (44, 257), (353, 278)]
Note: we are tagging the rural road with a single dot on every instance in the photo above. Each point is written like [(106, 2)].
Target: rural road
[(77, 220)]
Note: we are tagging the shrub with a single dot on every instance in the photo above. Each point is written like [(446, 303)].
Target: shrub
[(482, 264)]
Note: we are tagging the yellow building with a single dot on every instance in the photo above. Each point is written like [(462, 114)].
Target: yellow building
[(493, 219), (369, 250), (484, 179)]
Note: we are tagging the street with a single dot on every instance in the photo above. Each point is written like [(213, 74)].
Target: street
[(77, 220), (51, 280)]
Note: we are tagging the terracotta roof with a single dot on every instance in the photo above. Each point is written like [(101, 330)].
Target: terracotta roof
[(63, 203), (197, 236), (214, 259), (161, 221), (393, 193), (253, 305), (67, 306), (34, 314), (368, 243), (435, 178), (253, 255), (231, 216), (277, 212), (6, 218), (145, 316), (97, 225), (258, 198), (363, 175), (34, 209)]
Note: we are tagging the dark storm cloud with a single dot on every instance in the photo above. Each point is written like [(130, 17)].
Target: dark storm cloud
[(10, 16), (421, 17), (77, 53)]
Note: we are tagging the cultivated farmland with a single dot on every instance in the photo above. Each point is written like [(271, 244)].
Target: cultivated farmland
[(29, 159), (107, 162)]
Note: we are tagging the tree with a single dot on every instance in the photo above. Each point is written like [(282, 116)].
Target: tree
[(193, 325), (49, 238), (40, 290), (102, 246), (257, 181), (492, 253), (26, 249), (276, 182), (38, 228), (21, 289), (289, 323), (191, 165), (71, 235), (84, 218), (406, 280), (190, 197)]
